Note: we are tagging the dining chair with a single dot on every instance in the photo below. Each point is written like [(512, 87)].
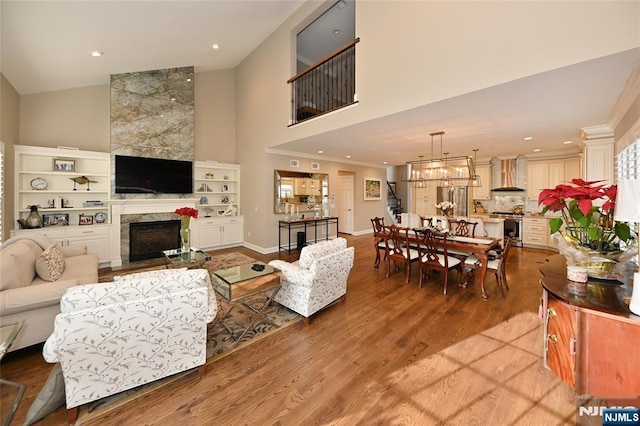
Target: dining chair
[(496, 264), (432, 246), (398, 249), (378, 242), (462, 228)]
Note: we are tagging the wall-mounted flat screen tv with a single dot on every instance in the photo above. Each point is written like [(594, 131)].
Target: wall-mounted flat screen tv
[(142, 175)]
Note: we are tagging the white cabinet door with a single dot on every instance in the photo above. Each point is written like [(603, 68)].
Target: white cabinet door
[(572, 169), (556, 173), (537, 179), (231, 233), (483, 192)]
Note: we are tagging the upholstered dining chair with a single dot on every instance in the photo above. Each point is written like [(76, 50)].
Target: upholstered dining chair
[(398, 249), (432, 246), (378, 242), (497, 265)]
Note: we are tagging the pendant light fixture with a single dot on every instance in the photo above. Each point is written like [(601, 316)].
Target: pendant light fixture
[(474, 180), (445, 171)]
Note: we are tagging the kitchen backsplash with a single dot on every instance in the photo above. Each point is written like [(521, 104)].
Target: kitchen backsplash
[(508, 202)]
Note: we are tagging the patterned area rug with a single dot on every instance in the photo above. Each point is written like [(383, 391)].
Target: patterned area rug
[(222, 333)]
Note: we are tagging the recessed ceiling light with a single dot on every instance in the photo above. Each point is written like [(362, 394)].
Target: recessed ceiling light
[(537, 150), (320, 152), (188, 79), (96, 53), (567, 142), (528, 138), (215, 46), (348, 156), (336, 31)]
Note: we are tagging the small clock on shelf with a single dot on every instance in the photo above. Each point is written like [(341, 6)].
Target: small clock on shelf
[(39, 184), (101, 217)]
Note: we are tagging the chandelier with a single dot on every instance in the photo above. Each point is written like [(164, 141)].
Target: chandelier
[(446, 171)]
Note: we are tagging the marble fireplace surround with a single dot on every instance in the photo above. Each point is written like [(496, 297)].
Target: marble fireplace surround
[(124, 212)]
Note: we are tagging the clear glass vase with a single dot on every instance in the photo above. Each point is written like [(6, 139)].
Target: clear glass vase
[(185, 240)]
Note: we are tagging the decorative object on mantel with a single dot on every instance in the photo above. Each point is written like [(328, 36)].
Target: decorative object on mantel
[(186, 213), (628, 210), (590, 238)]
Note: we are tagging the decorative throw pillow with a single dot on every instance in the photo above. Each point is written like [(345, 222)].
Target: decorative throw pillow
[(50, 398), (50, 265)]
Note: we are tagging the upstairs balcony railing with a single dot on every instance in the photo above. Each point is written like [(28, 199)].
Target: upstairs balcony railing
[(326, 86)]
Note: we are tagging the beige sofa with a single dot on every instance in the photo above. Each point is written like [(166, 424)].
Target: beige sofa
[(33, 278)]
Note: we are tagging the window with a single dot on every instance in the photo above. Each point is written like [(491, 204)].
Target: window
[(628, 162)]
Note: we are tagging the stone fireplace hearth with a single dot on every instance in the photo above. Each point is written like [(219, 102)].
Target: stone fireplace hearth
[(124, 212)]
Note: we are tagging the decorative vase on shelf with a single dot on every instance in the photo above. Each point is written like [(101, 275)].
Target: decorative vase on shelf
[(34, 220)]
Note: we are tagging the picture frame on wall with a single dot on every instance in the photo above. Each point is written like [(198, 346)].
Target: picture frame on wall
[(372, 189), (55, 219), (64, 165), (86, 219)]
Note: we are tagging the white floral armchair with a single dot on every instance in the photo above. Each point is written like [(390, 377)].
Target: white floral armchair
[(317, 279), (142, 327)]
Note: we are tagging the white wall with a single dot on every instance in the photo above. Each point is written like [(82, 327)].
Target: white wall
[(413, 53)]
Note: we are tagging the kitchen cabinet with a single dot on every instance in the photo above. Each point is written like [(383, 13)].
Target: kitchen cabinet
[(217, 232), (535, 232), (483, 192), (537, 178), (425, 199), (95, 237), (543, 174), (307, 186)]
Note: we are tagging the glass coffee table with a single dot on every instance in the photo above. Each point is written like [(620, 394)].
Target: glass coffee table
[(194, 258), (237, 283), (8, 334)]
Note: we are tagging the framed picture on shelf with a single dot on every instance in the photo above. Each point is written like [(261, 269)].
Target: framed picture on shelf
[(225, 187), (86, 219), (372, 189), (55, 219), (64, 165)]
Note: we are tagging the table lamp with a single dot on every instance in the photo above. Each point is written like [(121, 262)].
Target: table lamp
[(628, 210)]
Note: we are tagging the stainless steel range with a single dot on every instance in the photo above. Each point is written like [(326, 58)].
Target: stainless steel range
[(512, 222)]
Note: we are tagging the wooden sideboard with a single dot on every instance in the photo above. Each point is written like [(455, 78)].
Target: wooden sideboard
[(591, 341)]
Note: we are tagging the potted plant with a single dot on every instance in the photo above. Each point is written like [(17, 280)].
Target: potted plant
[(586, 222)]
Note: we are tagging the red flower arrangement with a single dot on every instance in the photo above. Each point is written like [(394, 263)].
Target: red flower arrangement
[(585, 223), (188, 212)]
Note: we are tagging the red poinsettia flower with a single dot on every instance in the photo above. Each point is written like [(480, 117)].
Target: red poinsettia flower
[(589, 223), (187, 211)]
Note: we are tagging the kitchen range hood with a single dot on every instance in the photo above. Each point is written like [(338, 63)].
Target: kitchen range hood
[(508, 176)]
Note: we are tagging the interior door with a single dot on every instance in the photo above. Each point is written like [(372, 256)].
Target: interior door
[(344, 204)]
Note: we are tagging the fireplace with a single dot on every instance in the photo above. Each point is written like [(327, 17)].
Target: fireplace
[(147, 240)]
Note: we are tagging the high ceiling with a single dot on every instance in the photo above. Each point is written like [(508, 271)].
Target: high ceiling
[(45, 46)]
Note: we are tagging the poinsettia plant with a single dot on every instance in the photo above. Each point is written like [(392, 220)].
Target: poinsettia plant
[(586, 209)]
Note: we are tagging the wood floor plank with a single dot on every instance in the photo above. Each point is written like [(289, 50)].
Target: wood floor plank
[(369, 360)]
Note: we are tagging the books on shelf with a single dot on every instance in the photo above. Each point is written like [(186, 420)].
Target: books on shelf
[(92, 204)]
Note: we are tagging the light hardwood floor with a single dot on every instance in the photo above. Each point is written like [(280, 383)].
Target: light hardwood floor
[(355, 363)]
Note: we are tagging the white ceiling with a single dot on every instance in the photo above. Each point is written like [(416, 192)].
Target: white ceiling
[(45, 47)]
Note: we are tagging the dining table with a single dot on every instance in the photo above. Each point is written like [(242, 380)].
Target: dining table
[(479, 246)]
